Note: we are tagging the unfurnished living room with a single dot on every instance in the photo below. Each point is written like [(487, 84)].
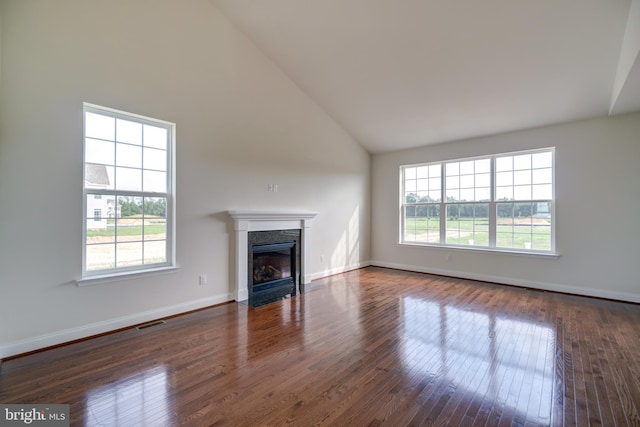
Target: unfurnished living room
[(240, 212)]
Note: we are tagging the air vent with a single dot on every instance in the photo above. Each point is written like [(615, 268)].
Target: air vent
[(149, 325)]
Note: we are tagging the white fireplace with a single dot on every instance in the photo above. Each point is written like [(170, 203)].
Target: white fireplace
[(247, 221)]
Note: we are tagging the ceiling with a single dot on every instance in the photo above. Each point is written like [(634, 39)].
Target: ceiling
[(399, 74)]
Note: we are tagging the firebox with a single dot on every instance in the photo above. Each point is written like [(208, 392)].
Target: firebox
[(273, 266)]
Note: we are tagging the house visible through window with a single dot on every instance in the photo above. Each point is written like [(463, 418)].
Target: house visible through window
[(128, 192), (500, 202)]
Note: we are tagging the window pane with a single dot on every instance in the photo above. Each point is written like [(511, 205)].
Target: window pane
[(466, 181), (542, 160), (99, 151), (504, 164), (483, 194), (483, 166), (453, 182), (542, 176), (522, 162), (409, 173), (128, 179), (453, 195), (129, 132), (504, 240), (483, 180), (543, 191), (467, 195), (423, 184), (128, 155), (155, 252), (422, 172), (155, 229), (522, 177), (504, 193), (435, 170), (98, 176), (155, 137), (410, 186), (99, 126), (155, 159), (155, 208), (100, 257), (522, 192), (504, 178), (129, 207), (155, 182), (466, 168), (453, 168), (411, 197), (129, 254), (434, 184)]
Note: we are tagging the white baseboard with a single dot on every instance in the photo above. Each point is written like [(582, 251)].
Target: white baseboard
[(555, 287), (60, 337), (338, 270)]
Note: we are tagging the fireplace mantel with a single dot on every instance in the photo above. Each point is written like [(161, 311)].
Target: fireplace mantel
[(246, 221)]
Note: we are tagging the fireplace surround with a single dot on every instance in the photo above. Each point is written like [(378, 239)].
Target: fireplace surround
[(246, 222)]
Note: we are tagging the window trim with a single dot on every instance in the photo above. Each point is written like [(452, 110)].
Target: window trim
[(121, 273), (492, 207)]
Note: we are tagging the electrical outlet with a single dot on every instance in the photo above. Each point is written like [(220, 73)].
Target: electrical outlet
[(321, 258), (449, 258), (203, 279)]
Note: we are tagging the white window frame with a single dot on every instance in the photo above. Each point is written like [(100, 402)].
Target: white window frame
[(90, 277), (492, 207)]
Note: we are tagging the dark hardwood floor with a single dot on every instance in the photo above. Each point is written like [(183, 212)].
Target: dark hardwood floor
[(368, 347)]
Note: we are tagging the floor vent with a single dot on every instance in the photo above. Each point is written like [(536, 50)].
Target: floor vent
[(148, 325)]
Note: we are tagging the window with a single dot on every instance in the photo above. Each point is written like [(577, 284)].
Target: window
[(499, 202), (128, 192)]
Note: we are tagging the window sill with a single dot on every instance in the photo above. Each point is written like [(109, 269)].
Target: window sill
[(108, 278), (552, 255)]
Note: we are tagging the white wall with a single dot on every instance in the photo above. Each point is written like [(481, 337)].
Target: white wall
[(598, 211), (241, 124)]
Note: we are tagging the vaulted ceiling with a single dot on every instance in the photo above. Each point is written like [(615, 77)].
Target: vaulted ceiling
[(398, 74)]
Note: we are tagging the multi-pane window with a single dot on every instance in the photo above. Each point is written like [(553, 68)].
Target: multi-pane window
[(524, 196), (502, 202), (468, 181), (424, 193), (128, 192)]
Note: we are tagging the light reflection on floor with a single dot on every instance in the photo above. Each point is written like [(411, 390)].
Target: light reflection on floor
[(141, 399), (505, 359)]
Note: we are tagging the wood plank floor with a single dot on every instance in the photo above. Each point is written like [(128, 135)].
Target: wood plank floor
[(369, 347)]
